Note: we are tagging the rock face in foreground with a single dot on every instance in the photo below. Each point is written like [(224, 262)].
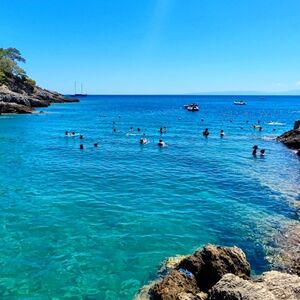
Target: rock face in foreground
[(211, 263), (221, 273), (270, 286), (17, 96), (14, 108), (175, 284), (291, 138)]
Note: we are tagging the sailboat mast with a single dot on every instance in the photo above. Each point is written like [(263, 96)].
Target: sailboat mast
[(75, 85)]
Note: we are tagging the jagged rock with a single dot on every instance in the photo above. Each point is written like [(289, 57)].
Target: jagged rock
[(211, 263), (188, 296), (175, 285), (270, 286), (14, 108), (291, 138), (297, 125), (287, 243), (16, 91)]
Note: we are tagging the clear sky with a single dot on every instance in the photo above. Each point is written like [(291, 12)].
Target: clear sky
[(156, 46)]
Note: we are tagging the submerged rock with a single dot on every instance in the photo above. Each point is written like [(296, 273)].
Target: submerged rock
[(211, 263), (287, 244), (270, 286)]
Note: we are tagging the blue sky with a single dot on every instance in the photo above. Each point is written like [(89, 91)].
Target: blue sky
[(156, 46)]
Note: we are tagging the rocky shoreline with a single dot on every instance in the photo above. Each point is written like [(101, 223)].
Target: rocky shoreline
[(220, 273), (17, 96), (292, 138)]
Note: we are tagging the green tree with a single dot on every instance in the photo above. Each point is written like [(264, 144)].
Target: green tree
[(9, 59), (12, 54)]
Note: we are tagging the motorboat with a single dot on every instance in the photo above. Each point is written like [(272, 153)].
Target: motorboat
[(240, 102), (192, 107)]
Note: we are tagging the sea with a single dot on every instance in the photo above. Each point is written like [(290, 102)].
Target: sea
[(98, 223)]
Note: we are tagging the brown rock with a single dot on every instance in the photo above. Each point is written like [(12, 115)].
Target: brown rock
[(211, 263), (174, 286), (270, 286), (14, 108)]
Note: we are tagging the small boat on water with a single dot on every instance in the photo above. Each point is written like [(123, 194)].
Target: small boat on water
[(81, 94), (276, 123), (191, 107), (240, 102)]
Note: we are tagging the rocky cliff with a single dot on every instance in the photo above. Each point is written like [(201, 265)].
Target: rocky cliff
[(19, 96)]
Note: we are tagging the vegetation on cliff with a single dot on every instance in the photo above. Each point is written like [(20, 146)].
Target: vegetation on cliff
[(18, 92)]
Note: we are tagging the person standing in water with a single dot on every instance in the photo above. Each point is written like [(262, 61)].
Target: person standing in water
[(254, 152), (206, 132), (161, 143), (222, 133)]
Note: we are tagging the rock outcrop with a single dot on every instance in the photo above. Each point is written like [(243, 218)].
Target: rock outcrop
[(174, 284), (221, 273), (211, 263), (291, 138), (270, 286), (14, 108), (17, 96)]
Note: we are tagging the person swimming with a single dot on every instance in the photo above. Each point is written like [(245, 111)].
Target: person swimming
[(262, 152), (81, 147), (222, 133), (161, 143), (114, 130), (143, 141), (67, 133), (254, 152), (139, 129), (96, 145), (206, 132), (163, 130), (81, 137)]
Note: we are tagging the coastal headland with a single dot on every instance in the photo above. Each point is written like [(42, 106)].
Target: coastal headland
[(18, 92)]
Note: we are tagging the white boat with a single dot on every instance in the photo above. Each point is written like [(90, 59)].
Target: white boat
[(276, 123), (192, 107), (240, 103)]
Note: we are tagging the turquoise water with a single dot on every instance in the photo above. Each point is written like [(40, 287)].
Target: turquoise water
[(97, 223)]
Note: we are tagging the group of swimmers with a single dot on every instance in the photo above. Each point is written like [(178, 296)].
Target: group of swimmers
[(161, 143), (254, 152), (206, 133)]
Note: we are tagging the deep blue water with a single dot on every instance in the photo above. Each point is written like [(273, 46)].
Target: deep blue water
[(96, 223)]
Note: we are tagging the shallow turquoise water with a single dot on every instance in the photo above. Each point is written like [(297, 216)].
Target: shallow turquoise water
[(96, 224)]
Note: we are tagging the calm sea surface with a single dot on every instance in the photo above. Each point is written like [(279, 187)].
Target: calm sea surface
[(96, 223)]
